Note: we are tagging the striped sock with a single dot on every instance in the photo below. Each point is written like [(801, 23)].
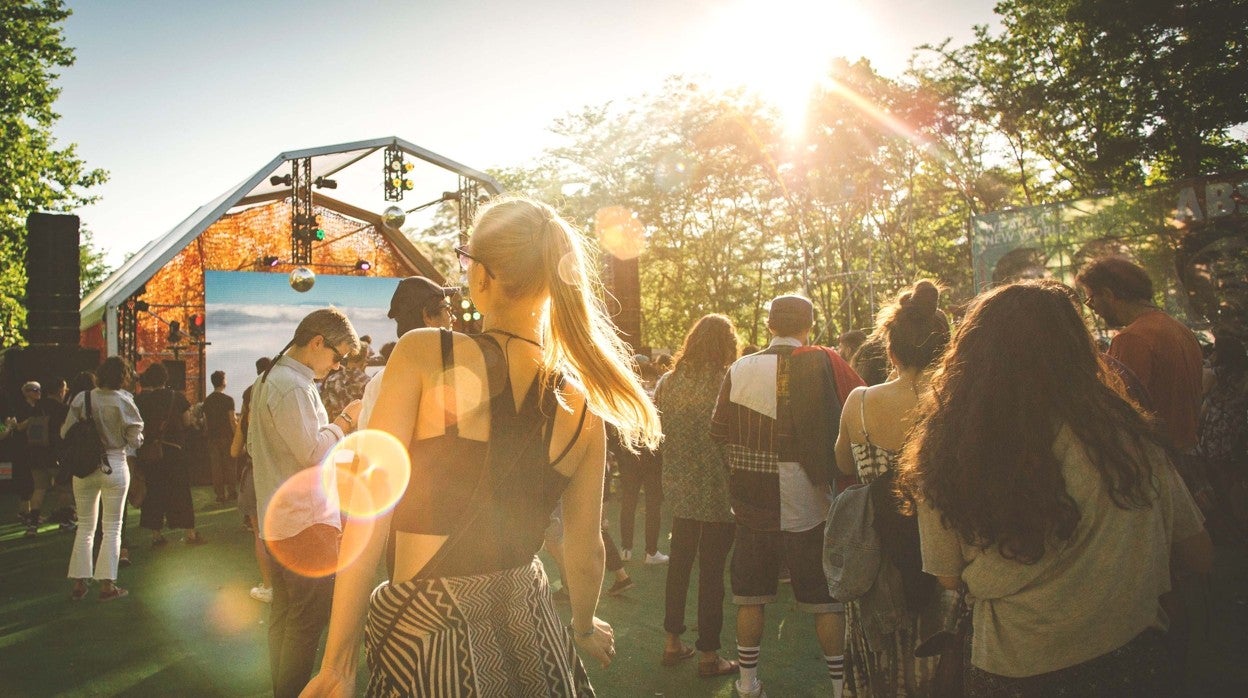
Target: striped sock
[(836, 670), (747, 658)]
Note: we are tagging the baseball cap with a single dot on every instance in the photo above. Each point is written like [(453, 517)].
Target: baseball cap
[(793, 310), (414, 294)]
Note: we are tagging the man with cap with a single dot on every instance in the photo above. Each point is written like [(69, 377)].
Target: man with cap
[(34, 449), (417, 302), (777, 414)]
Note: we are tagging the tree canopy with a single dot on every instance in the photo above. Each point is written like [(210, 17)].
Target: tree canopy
[(36, 173)]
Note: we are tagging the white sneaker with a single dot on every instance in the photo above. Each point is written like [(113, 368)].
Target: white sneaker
[(626, 555), (658, 558), (757, 691), (262, 594)]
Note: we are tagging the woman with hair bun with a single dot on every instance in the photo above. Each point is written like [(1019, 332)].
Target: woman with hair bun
[(500, 427), (1046, 493), (879, 647)]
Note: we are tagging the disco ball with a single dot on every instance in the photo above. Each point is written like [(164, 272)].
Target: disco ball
[(302, 279), (393, 217)]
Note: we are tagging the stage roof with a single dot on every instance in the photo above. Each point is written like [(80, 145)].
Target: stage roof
[(332, 161)]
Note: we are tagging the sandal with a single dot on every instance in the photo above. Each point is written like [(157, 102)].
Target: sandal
[(671, 658), (709, 670), (79, 593), (114, 593)]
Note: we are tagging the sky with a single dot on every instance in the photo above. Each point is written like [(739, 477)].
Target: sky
[(180, 100)]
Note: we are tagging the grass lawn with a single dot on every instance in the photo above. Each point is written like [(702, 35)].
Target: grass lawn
[(189, 627)]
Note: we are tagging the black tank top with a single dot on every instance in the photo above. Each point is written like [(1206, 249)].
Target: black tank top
[(522, 482)]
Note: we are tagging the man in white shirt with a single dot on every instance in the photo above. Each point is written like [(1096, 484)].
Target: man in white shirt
[(288, 434)]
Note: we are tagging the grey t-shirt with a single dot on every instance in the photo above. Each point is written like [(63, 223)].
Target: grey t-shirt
[(1085, 597)]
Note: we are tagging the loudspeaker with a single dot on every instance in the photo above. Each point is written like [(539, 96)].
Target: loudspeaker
[(44, 364), (623, 280), (177, 374), (52, 291)]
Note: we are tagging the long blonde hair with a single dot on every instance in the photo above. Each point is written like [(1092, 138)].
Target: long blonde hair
[(531, 250)]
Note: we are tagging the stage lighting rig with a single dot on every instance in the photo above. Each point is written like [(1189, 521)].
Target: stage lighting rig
[(270, 261), (325, 183), (363, 265), (394, 174), (195, 323), (275, 180)]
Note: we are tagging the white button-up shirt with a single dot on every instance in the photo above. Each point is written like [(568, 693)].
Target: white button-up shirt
[(288, 433)]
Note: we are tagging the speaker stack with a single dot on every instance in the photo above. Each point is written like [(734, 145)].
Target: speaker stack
[(52, 292)]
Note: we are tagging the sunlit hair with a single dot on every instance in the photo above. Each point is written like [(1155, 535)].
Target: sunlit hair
[(156, 376), (1125, 278), (329, 323), (711, 343), (915, 330), (114, 373), (1022, 366), (532, 251)]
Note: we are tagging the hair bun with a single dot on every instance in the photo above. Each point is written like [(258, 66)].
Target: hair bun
[(922, 298)]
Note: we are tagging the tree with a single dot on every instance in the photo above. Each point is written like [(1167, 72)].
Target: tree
[(37, 174), (1112, 96)]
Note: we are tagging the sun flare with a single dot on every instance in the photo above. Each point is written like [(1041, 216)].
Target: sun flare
[(782, 49)]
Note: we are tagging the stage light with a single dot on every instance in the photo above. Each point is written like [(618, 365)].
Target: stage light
[(363, 265), (319, 234), (196, 325), (276, 180), (465, 304), (141, 306), (175, 332), (270, 261), (325, 183)]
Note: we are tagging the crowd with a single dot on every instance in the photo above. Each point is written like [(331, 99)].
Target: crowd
[(993, 509)]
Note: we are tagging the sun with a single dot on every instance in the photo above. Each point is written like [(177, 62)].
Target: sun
[(782, 49)]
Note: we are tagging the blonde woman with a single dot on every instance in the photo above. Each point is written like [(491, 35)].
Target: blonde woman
[(500, 426)]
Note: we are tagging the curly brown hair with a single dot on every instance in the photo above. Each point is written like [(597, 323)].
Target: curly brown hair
[(712, 342), (1021, 367)]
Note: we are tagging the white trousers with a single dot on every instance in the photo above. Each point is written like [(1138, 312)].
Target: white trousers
[(88, 491)]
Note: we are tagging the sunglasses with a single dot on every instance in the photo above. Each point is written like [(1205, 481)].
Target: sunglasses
[(338, 357), (464, 258)]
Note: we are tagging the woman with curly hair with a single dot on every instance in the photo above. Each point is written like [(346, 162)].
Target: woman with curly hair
[(879, 646), (1047, 494), (695, 482)]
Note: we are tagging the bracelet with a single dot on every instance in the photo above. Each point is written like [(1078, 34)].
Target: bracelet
[(580, 635)]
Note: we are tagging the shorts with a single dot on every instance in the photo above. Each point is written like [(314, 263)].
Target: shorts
[(756, 560)]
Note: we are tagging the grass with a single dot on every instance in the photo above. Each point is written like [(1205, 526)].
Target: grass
[(189, 627)]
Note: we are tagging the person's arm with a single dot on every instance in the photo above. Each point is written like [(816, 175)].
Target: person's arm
[(723, 406), (73, 415), (297, 423), (133, 422), (844, 454), (583, 552), (1191, 550), (396, 413)]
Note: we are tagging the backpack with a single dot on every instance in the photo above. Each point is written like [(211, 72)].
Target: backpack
[(851, 545), (83, 449)]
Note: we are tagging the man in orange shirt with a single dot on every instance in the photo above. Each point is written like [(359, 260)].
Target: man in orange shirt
[(1161, 351)]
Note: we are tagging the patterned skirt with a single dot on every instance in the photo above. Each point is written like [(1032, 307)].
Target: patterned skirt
[(476, 636), (891, 670)]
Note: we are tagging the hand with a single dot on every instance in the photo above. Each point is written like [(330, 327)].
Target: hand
[(601, 645), (330, 684), (352, 410)]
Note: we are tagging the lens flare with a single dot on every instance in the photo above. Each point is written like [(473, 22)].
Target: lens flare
[(315, 551), (370, 470), (231, 612), (619, 232)]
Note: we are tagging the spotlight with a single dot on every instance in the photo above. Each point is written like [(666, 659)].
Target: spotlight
[(175, 332), (276, 180), (325, 183), (141, 306), (363, 265), (269, 261), (319, 234), (196, 325)]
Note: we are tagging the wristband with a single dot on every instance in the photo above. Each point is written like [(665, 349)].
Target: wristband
[(346, 417), (580, 635)]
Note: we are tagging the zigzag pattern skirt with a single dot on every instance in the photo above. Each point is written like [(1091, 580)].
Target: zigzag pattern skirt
[(476, 636)]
